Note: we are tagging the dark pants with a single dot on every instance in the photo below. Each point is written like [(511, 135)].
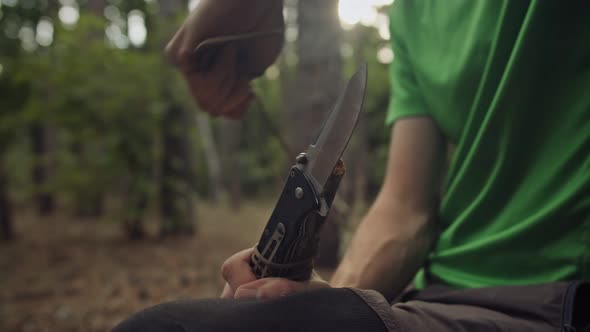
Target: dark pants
[(323, 310), (541, 308)]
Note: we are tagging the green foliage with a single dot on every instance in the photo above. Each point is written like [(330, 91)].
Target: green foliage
[(103, 103), (106, 103)]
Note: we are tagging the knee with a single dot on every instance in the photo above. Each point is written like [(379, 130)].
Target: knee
[(153, 319)]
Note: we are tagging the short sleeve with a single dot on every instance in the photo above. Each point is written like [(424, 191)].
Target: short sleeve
[(405, 96)]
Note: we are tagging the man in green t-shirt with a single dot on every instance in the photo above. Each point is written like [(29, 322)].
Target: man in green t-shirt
[(506, 85)]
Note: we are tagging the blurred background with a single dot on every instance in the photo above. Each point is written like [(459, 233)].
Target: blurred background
[(116, 193)]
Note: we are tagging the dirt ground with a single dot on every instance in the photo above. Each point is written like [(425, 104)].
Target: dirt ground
[(63, 274)]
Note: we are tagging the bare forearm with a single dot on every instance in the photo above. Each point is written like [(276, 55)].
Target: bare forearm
[(395, 237), (388, 248)]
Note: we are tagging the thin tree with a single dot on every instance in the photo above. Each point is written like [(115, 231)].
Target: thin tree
[(230, 144), (96, 6), (6, 230), (176, 177), (42, 138), (89, 202), (205, 131), (318, 82), (39, 134)]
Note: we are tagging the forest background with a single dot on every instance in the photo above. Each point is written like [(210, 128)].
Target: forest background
[(117, 193)]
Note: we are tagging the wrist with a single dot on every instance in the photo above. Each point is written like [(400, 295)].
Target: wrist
[(345, 277)]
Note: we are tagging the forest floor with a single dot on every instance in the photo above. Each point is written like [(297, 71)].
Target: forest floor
[(63, 274)]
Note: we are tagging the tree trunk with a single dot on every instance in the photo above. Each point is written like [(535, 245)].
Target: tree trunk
[(6, 230), (135, 206), (230, 138), (319, 79), (96, 6), (176, 208), (140, 173), (89, 202), (216, 188), (176, 177), (44, 199)]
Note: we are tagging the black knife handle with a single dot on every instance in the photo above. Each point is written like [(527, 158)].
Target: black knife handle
[(289, 241)]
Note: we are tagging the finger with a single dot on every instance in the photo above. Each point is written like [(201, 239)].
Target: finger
[(219, 92), (236, 270), (269, 288), (250, 290), (197, 87), (226, 88), (280, 288), (173, 48), (227, 292), (239, 111), (238, 100), (211, 87), (205, 90)]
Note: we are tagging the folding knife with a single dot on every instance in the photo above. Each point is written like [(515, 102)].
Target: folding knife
[(290, 239)]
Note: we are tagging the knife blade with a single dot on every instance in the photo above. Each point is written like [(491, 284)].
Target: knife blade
[(337, 130)]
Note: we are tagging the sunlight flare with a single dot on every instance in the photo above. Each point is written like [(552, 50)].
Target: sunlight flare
[(192, 4), (360, 11)]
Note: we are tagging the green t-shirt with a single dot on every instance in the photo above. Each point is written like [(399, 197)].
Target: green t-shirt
[(508, 82)]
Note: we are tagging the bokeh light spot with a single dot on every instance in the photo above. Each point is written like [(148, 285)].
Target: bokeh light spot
[(136, 27), (9, 3), (44, 32), (69, 15), (272, 73), (385, 55)]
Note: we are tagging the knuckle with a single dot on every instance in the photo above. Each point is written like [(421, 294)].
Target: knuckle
[(227, 292), (227, 270), (172, 53), (180, 56), (169, 50), (266, 293), (283, 287), (286, 289), (183, 54)]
